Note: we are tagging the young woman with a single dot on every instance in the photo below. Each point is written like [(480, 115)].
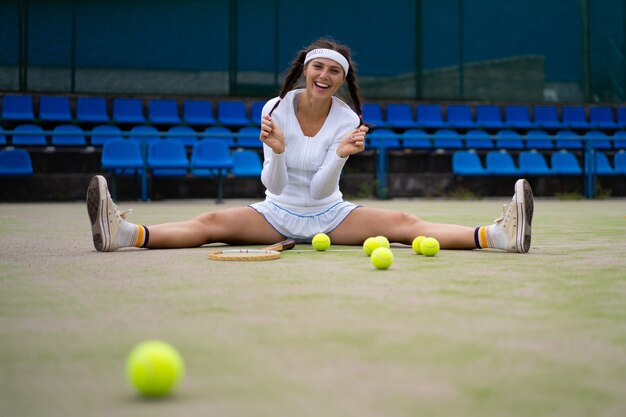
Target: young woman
[(308, 134)]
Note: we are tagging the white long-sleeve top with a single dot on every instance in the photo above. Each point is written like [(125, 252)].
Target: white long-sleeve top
[(307, 174)]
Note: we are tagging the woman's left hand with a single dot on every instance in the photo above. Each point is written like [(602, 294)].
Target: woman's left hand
[(353, 142)]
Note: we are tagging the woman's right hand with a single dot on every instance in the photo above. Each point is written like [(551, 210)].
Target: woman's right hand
[(272, 135)]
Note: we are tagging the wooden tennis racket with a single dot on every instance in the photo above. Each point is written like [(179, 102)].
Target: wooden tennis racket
[(266, 254)]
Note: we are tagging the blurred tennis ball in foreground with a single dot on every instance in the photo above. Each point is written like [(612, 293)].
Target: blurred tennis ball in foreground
[(321, 241), (382, 258), (370, 245), (429, 246), (383, 241), (417, 243), (154, 368)]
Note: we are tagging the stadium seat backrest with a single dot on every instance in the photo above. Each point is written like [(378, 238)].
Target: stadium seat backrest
[(232, 113), (509, 139), (532, 162), (373, 114), (143, 133), (198, 112), (500, 163), (128, 110), (104, 133), (598, 139), (211, 154), (538, 139), (168, 153), (400, 115), (619, 140), (15, 162), (601, 117), (31, 135), (60, 136), (603, 166), (517, 116), (447, 139), (568, 139), (388, 137), (247, 163), (220, 133), (92, 110), (248, 137), (121, 153), (163, 112), (467, 163), (19, 108), (621, 117), (184, 134), (574, 117), (478, 139), (620, 163), (256, 112), (416, 138), (547, 116), (564, 162), (54, 109), (488, 116)]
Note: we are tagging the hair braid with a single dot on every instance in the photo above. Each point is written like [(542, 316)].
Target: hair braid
[(292, 77)]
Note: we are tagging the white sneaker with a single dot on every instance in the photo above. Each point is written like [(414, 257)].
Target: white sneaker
[(512, 230), (105, 218)]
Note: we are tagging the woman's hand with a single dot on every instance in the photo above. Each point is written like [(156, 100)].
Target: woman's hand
[(353, 142), (271, 135)]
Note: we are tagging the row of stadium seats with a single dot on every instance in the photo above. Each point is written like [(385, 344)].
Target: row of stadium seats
[(164, 158), (130, 111), (235, 113), (533, 163), (248, 137)]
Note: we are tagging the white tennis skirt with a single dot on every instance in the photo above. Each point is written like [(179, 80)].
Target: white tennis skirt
[(303, 224)]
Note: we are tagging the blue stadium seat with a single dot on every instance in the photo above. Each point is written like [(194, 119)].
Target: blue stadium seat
[(211, 158), (602, 118), (376, 138), (517, 117), (373, 114), (32, 136), (15, 162), (567, 139), (68, 135), (121, 154), (144, 134), (18, 108), (256, 112), (574, 117), (128, 110), (105, 133), (620, 162), (163, 112), (489, 117), (599, 139), (621, 117), (55, 109), (92, 110), (447, 139), (232, 113), (246, 164), (565, 163), (400, 116), (3, 138), (500, 163), (416, 139), (546, 117), (429, 116), (478, 139), (619, 139), (603, 166), (184, 134), (198, 112), (220, 133), (467, 163), (509, 139), (459, 116), (248, 137), (168, 158), (533, 163), (538, 139)]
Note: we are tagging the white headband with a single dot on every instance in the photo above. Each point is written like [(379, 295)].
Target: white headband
[(330, 54)]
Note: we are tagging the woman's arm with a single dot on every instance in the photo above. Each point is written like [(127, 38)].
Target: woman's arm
[(274, 174)]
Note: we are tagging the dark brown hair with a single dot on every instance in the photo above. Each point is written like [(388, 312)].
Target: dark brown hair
[(297, 67)]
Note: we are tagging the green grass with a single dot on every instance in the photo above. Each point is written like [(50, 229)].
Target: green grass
[(471, 333)]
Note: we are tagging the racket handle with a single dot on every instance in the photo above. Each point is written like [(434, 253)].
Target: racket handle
[(281, 246)]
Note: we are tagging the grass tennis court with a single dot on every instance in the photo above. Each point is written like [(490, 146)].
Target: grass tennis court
[(319, 334)]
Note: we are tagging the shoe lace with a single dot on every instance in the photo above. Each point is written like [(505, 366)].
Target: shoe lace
[(121, 213), (502, 216)]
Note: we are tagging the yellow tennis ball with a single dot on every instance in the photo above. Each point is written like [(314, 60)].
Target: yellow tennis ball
[(370, 245), (154, 368), (382, 258), (321, 241), (416, 244), (384, 242), (429, 246)]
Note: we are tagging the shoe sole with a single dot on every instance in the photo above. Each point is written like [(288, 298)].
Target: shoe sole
[(525, 208), (96, 208)]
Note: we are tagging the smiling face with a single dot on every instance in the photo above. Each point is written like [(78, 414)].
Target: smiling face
[(323, 77)]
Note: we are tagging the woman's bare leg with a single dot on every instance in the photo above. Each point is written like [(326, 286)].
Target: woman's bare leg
[(240, 225), (399, 227)]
